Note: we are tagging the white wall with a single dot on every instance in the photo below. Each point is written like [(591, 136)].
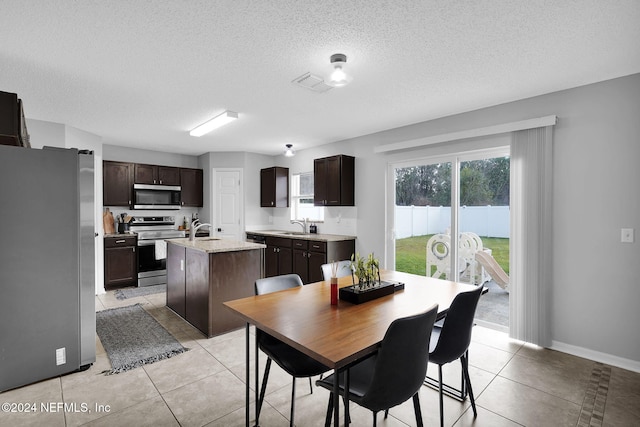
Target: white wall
[(58, 135), (595, 289)]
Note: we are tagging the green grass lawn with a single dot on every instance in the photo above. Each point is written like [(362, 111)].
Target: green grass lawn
[(411, 254)]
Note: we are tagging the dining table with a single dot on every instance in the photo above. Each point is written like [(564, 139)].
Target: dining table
[(338, 335)]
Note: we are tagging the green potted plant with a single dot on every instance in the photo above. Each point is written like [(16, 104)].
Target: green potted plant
[(367, 270)]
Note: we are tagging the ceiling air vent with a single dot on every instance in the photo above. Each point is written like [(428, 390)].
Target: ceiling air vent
[(311, 82)]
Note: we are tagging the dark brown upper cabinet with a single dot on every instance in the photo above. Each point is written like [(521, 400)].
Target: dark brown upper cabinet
[(13, 128), (117, 183), (334, 181), (153, 174), (118, 179), (274, 187), (191, 182)]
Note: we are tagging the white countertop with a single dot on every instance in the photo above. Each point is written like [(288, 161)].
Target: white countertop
[(212, 244), (306, 236)]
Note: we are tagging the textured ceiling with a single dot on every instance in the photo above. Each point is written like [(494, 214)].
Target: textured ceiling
[(142, 74)]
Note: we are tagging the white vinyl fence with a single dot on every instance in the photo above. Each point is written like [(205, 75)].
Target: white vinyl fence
[(486, 221)]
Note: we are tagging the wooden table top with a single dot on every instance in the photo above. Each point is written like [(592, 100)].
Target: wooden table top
[(338, 335)]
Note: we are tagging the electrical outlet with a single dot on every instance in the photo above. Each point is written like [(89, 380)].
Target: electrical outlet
[(627, 235), (61, 356)]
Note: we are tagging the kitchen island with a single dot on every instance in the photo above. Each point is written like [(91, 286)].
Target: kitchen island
[(204, 273)]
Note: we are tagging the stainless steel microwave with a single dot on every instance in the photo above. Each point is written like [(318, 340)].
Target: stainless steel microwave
[(160, 197)]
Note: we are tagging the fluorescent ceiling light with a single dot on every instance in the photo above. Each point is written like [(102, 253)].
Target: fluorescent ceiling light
[(216, 122)]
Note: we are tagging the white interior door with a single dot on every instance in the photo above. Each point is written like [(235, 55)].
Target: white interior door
[(228, 197)]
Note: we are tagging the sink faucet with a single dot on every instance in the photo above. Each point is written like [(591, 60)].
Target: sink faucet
[(302, 223), (195, 226)]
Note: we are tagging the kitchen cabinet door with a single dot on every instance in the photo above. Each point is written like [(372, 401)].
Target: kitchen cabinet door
[(278, 257), (120, 262), (145, 174), (191, 181), (117, 183), (314, 266), (274, 187), (334, 181), (176, 279), (168, 175), (301, 264), (156, 175)]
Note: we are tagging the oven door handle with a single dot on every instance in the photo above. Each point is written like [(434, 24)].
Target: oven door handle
[(147, 242)]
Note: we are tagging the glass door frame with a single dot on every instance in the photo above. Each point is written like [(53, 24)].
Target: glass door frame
[(455, 159)]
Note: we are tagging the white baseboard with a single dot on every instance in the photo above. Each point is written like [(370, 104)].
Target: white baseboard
[(620, 362)]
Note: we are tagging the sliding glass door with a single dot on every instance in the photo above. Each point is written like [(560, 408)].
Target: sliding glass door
[(451, 221)]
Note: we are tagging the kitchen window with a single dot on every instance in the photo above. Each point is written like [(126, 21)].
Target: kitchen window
[(302, 198)]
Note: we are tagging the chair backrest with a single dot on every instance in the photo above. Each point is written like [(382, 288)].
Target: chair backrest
[(343, 269), (277, 283), (455, 335), (401, 361)]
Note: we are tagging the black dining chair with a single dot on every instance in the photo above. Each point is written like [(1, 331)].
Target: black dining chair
[(294, 362), (394, 373), (451, 341)]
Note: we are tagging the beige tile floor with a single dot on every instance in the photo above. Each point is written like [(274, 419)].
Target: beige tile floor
[(514, 384)]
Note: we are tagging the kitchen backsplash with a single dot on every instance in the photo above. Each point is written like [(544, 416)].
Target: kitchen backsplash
[(337, 220), (179, 214)]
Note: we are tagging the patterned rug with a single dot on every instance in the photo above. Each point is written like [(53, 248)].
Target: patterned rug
[(132, 338), (139, 292)]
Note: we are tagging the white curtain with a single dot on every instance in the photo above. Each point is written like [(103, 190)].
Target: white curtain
[(530, 255)]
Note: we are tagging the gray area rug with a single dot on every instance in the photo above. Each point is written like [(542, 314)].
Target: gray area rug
[(132, 338), (139, 292), (494, 305)]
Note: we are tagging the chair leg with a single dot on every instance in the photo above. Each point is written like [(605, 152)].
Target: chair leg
[(386, 413), (375, 418), (441, 399), (416, 409), (327, 421), (310, 386), (263, 389), (293, 401), (465, 371)]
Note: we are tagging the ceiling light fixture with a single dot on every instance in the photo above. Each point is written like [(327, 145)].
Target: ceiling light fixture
[(338, 77), (289, 151), (216, 122)]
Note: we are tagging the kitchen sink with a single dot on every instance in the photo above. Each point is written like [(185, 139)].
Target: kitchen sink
[(294, 233)]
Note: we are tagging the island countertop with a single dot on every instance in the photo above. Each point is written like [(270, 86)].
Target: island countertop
[(212, 245)]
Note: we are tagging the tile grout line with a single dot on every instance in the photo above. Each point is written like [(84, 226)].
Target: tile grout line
[(592, 411)]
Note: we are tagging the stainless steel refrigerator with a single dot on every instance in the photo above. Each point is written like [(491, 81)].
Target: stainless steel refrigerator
[(47, 265)]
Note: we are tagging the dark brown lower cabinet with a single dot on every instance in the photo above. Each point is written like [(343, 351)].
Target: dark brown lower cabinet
[(120, 262), (278, 256), (199, 282), (309, 255), (176, 279)]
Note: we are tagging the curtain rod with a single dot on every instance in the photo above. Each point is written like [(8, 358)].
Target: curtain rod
[(471, 133)]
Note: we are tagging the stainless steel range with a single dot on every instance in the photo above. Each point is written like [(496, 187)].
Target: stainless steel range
[(152, 266)]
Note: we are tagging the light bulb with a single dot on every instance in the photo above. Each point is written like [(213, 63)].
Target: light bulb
[(338, 77), (289, 151)]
